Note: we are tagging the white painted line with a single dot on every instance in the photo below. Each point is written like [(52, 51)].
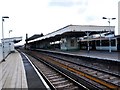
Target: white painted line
[(38, 73)]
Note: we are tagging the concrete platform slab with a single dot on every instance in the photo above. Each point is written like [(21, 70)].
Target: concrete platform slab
[(13, 72), (105, 55), (34, 79), (115, 56)]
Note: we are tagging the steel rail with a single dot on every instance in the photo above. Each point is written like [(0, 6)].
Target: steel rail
[(100, 81), (51, 85)]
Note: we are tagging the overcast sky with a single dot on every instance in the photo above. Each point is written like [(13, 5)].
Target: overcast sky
[(45, 16)]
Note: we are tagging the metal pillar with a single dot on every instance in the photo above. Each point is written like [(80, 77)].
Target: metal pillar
[(109, 36), (100, 41), (88, 39), (110, 31), (9, 40), (3, 38), (3, 51)]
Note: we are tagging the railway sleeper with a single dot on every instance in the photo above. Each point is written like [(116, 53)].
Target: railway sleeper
[(64, 85), (51, 75), (117, 82), (57, 79), (49, 71), (93, 73), (59, 82), (69, 86), (54, 77), (104, 76), (74, 88), (112, 78)]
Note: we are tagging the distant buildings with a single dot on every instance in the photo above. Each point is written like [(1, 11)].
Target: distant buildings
[(8, 46)]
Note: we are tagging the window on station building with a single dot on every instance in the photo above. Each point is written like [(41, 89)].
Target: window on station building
[(105, 42), (118, 41), (113, 42), (72, 42), (84, 43), (97, 43)]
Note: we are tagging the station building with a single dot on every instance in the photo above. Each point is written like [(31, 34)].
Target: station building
[(68, 37), (73, 37), (8, 46)]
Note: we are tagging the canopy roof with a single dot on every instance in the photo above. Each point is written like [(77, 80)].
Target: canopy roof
[(14, 39), (75, 31), (34, 37)]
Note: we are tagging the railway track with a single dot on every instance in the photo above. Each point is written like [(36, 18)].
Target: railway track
[(56, 79), (97, 78), (110, 67)]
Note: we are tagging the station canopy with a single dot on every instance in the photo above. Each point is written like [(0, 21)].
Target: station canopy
[(17, 39), (74, 31), (14, 39), (35, 36)]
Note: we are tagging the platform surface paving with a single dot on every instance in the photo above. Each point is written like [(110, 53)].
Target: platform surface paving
[(12, 72), (98, 54), (105, 55)]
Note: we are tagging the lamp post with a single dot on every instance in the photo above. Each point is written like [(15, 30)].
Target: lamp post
[(9, 40), (3, 52), (10, 32), (109, 31)]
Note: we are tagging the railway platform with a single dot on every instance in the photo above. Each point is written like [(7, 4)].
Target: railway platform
[(105, 55), (17, 72), (114, 56)]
